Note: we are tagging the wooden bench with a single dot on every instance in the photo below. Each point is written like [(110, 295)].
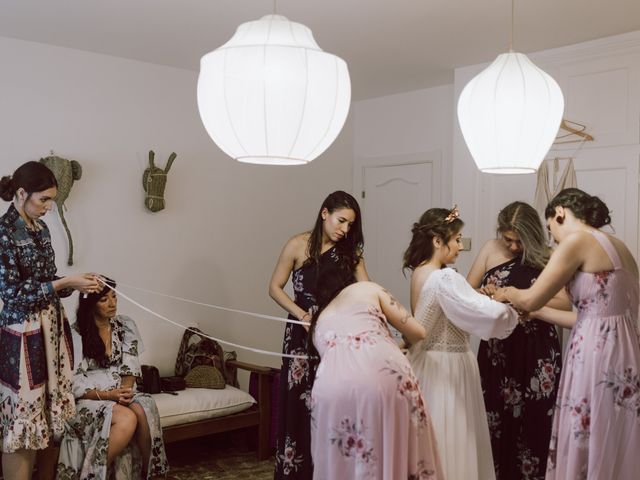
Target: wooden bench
[(258, 416)]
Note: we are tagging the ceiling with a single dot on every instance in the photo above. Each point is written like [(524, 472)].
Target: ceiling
[(390, 46)]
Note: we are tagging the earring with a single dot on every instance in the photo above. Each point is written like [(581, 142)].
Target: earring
[(559, 220)]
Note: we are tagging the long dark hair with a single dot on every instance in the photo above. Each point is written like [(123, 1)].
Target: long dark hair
[(523, 219), (331, 281), (349, 249), (434, 223), (92, 345), (590, 209), (32, 176)]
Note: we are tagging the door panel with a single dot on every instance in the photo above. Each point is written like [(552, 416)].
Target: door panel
[(395, 197)]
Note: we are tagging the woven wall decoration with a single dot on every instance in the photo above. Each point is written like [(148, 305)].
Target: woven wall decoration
[(66, 172), (154, 181)]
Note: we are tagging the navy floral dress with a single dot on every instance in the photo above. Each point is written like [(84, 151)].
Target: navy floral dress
[(520, 376), (36, 350), (293, 453)]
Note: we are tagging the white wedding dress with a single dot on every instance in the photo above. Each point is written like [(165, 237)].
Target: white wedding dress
[(447, 370)]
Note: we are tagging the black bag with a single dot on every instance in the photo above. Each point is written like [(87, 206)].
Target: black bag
[(172, 384), (150, 379)]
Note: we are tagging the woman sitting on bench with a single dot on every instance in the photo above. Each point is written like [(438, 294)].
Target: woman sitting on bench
[(110, 412)]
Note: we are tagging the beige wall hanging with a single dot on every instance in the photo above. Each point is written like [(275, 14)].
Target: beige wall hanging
[(154, 180), (66, 172)]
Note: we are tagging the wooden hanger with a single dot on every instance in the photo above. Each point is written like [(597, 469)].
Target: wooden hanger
[(573, 128)]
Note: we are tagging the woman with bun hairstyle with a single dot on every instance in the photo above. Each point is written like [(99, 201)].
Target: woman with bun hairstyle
[(36, 351), (596, 424), (450, 310)]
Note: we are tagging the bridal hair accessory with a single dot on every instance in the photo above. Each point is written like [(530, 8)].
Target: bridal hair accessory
[(453, 214)]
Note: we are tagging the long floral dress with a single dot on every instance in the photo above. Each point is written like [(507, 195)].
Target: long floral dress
[(83, 452), (293, 452), (596, 426), (520, 376), (36, 351), (369, 419), (449, 309)]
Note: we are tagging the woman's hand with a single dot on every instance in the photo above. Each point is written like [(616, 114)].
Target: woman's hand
[(501, 294), (123, 396), (84, 282), (523, 317), (489, 289)]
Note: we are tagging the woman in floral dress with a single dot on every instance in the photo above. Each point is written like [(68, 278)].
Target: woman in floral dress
[(520, 374), (115, 424), (369, 419), (450, 309), (596, 424), (336, 244), (36, 354)]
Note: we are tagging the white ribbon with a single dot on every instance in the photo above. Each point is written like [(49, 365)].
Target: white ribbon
[(243, 347), (251, 314)]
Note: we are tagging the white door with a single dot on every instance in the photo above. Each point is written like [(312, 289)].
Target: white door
[(394, 198), (612, 175)]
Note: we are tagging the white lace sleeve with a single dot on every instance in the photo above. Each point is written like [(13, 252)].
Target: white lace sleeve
[(471, 311)]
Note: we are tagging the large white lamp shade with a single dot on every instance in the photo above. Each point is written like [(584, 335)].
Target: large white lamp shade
[(270, 95), (509, 115)]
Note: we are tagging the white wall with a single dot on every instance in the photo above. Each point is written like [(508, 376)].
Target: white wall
[(386, 129), (224, 224)]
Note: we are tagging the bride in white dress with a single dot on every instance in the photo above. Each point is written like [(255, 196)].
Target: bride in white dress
[(446, 368)]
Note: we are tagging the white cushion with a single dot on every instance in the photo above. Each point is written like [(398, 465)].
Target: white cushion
[(194, 404)]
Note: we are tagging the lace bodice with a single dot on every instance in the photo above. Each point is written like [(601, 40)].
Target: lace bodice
[(450, 309), (442, 335)]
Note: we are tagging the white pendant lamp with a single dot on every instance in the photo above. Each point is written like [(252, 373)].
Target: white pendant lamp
[(270, 95), (509, 115)]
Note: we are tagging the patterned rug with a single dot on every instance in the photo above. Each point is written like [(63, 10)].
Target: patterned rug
[(216, 457)]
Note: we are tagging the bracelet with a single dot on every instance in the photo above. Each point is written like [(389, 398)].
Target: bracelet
[(97, 394)]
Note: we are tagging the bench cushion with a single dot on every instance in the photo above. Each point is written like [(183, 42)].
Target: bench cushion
[(194, 404)]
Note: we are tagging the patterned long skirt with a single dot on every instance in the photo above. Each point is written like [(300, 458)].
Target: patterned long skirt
[(83, 452), (293, 453), (520, 377), (36, 362)]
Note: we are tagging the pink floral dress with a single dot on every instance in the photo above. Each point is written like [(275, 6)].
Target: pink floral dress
[(369, 420), (596, 426)]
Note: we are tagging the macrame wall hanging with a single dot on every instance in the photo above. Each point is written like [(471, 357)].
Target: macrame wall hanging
[(154, 180), (66, 172)]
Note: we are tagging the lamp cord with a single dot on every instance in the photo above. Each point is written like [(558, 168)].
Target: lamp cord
[(274, 6), (512, 21)]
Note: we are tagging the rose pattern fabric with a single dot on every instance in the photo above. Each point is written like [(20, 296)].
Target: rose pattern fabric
[(365, 398), (520, 379), (597, 417), (296, 380)]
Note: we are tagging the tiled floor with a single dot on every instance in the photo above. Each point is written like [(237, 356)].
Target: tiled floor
[(219, 457)]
